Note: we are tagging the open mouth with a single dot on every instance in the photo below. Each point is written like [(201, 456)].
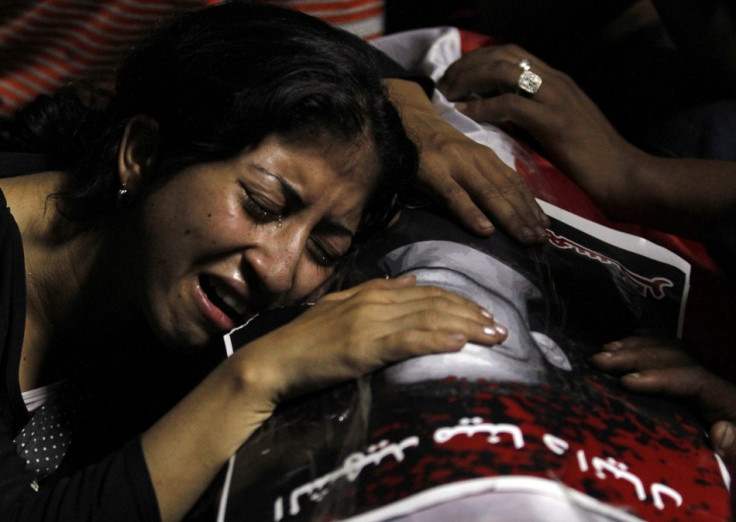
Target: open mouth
[(225, 299)]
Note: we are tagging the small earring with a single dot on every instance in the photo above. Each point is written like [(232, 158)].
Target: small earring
[(122, 196)]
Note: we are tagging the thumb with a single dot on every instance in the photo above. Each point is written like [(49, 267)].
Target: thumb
[(723, 440)]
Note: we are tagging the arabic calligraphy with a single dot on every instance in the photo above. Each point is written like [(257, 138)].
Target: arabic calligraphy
[(603, 468), (474, 425), (351, 468)]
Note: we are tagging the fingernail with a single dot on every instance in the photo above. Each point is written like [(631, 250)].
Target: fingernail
[(484, 224), (634, 375), (604, 355), (494, 330), (485, 313), (461, 106), (541, 232), (527, 233), (612, 347), (727, 438)]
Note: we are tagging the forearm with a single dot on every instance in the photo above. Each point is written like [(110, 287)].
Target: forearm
[(664, 192), (187, 447)]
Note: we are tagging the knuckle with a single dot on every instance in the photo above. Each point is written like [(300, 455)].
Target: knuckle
[(434, 292), (454, 194), (450, 148), (431, 319), (411, 341), (489, 191), (367, 295), (512, 103)]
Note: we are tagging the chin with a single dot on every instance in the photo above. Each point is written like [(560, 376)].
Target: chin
[(184, 341)]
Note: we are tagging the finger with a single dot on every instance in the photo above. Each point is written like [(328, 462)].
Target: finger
[(714, 397), (426, 339), (527, 113), (424, 307), (403, 281), (500, 191), (723, 440), (375, 304), (480, 184), (480, 71), (439, 313), (459, 203), (642, 357), (467, 77), (643, 339)]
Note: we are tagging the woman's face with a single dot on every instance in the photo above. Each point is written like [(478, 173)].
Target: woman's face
[(224, 240)]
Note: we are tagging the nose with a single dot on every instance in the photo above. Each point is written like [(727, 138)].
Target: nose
[(273, 260)]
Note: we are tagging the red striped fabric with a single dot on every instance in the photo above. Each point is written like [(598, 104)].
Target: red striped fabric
[(362, 17), (47, 43)]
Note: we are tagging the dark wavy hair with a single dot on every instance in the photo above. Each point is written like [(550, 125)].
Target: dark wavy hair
[(220, 80)]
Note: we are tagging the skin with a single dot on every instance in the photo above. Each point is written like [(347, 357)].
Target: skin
[(268, 225), (236, 224), (465, 177), (656, 364), (625, 182)]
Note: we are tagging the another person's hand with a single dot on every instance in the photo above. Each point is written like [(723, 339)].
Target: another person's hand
[(559, 116), (350, 333), (467, 177), (659, 365)]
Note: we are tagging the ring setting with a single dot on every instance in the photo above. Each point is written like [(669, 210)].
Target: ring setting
[(528, 82)]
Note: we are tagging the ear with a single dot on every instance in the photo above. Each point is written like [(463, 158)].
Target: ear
[(137, 151)]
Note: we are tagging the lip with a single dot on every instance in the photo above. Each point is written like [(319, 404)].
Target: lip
[(212, 312)]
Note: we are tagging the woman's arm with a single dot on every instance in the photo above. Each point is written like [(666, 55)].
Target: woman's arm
[(624, 181), (356, 331)]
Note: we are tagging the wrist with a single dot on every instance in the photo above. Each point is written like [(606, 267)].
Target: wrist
[(252, 382), (620, 188)]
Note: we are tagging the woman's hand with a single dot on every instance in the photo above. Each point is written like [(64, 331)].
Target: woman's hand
[(356, 331), (465, 176), (343, 336), (563, 120), (659, 365)]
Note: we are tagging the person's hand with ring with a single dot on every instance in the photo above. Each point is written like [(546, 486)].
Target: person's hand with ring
[(506, 84)]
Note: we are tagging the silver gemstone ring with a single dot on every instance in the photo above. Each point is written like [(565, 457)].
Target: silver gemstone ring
[(529, 82)]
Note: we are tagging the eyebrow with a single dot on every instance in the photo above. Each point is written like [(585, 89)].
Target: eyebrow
[(293, 199)]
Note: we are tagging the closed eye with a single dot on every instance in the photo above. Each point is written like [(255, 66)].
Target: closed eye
[(261, 209), (323, 255)]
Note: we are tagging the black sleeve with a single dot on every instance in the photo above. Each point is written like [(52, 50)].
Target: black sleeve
[(118, 488), (390, 69)]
